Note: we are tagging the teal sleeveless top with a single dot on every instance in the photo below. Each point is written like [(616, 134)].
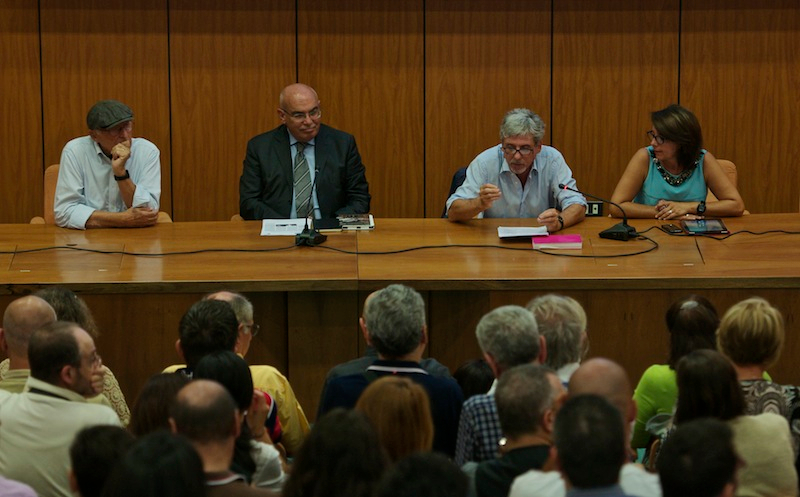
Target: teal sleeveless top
[(655, 187)]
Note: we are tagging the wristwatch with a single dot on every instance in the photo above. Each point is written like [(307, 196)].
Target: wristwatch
[(701, 208), (123, 178), (561, 221)]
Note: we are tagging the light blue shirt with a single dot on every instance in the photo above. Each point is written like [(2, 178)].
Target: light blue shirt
[(86, 181), (311, 160), (541, 191)]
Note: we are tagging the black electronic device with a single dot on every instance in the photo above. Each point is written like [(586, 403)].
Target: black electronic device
[(705, 227), (672, 229), (620, 231)]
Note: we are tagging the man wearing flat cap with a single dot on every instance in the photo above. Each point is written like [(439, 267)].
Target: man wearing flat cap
[(108, 179)]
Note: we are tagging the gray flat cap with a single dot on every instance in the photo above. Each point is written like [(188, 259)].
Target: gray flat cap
[(107, 114)]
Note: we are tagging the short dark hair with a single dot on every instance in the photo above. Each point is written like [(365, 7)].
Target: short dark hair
[(208, 326), (94, 453), (150, 412), (211, 420), (424, 473), (523, 395), (230, 371), (158, 464), (707, 387), (692, 323), (51, 348), (678, 124), (590, 438), (698, 459), (474, 377)]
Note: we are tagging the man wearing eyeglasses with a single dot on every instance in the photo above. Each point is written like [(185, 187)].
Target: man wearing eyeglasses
[(108, 179), (519, 178), (302, 168)]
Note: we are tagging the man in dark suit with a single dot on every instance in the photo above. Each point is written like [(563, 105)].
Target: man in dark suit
[(302, 164)]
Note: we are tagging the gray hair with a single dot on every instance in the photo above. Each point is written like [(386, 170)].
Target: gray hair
[(562, 322), (395, 318), (520, 122), (510, 335), (524, 393)]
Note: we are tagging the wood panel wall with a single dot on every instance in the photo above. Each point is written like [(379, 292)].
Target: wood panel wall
[(21, 111), (421, 84), (740, 72)]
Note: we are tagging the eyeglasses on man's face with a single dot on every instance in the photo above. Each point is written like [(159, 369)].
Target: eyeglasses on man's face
[(314, 113), (254, 329), (512, 151)]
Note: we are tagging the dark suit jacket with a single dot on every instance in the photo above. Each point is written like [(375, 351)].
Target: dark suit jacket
[(266, 185)]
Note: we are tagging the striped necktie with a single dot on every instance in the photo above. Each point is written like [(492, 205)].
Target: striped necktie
[(302, 182)]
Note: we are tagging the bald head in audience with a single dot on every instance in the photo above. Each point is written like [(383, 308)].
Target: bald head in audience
[(22, 317), (607, 379), (205, 413)]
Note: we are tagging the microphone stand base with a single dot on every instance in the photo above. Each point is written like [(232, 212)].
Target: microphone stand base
[(621, 231), (310, 238)]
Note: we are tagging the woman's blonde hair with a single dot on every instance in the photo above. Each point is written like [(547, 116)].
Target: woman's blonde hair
[(401, 413), (752, 333)]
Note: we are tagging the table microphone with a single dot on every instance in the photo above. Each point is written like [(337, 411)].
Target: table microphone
[(620, 231), (310, 236)]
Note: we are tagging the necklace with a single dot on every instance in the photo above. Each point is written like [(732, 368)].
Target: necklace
[(672, 179)]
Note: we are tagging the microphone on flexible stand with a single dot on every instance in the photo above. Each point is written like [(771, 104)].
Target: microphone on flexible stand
[(620, 231), (310, 236)]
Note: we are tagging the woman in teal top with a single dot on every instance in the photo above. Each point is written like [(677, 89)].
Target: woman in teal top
[(670, 178)]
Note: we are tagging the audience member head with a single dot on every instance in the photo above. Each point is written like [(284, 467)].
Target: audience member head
[(94, 453), (475, 377), (562, 323), (151, 410), (607, 379), (395, 320), (751, 333), (679, 125), (208, 326), (205, 413), (233, 373), (522, 122), (427, 474), (707, 387), (508, 337), (526, 401), (64, 355), (69, 307), (230, 371), (160, 464), (698, 459), (22, 317), (590, 442), (692, 323), (243, 309), (400, 411), (341, 456)]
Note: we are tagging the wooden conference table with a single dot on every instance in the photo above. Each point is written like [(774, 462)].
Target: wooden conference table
[(308, 299)]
